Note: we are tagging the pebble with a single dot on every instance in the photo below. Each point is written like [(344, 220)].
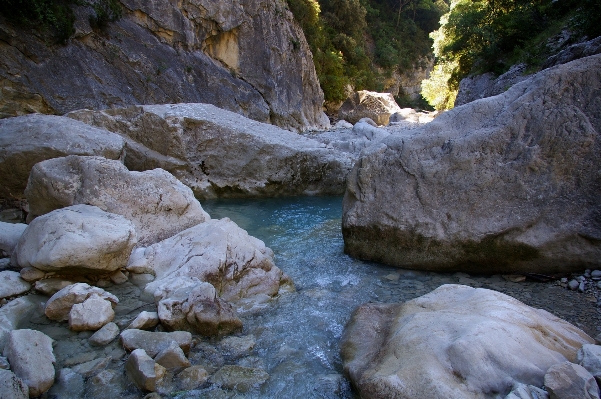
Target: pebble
[(105, 335), (582, 286), (573, 285), (596, 274)]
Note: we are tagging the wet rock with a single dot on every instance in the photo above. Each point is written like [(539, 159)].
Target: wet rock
[(68, 384), (12, 284), (367, 104), (509, 220), (12, 387), (332, 386), (157, 204), (523, 391), (59, 305), (446, 344), (218, 252), (92, 367), (51, 286), (589, 357), (77, 239), (31, 357), (144, 321), (196, 308), (106, 384), (154, 342), (227, 155), (236, 347), (192, 377), (241, 379), (105, 335), (91, 314), (27, 140), (9, 235), (31, 274), (14, 313), (172, 357), (143, 371), (570, 381)]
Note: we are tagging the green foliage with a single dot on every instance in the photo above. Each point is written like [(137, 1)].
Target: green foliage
[(56, 16), (478, 36), (358, 43)]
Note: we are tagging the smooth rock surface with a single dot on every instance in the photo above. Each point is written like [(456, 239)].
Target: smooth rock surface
[(504, 184), (192, 377), (144, 321), (31, 274), (76, 239), (51, 286), (369, 104), (105, 335), (154, 342), (27, 140), (225, 154), (68, 384), (523, 391), (31, 357), (570, 381), (91, 314), (12, 387), (445, 344), (59, 305), (172, 357), (589, 357), (9, 235), (14, 313), (218, 252), (141, 370), (247, 56), (12, 284), (154, 201)]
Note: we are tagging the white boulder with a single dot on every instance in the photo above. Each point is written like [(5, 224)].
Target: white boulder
[(567, 380), (12, 284), (91, 314), (59, 305)]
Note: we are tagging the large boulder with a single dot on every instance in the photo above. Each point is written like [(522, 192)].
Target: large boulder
[(225, 154), (32, 359), (27, 140), (218, 252), (76, 239), (156, 202), (455, 342), (504, 184), (247, 56), (369, 104)]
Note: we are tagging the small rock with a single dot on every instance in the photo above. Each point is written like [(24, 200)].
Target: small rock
[(192, 377), (581, 278), (51, 286), (596, 274), (582, 286), (103, 283), (564, 280), (10, 233), (144, 321), (15, 312), (92, 314), (31, 274), (236, 347), (12, 284), (30, 355), (154, 342), (4, 364), (5, 263), (342, 124), (141, 279), (172, 357), (68, 384), (118, 277), (599, 285), (239, 378), (514, 278), (570, 381), (153, 395), (93, 367), (523, 391), (105, 335), (598, 339), (79, 358), (106, 384), (59, 305), (589, 357), (143, 371), (573, 285), (12, 387)]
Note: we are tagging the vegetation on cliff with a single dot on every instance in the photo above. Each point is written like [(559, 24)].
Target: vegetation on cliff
[(478, 36), (359, 43)]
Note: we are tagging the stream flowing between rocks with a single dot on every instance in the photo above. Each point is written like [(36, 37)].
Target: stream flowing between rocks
[(296, 337)]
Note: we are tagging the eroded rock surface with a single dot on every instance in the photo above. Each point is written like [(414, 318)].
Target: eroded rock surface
[(368, 104), (446, 344), (504, 184), (222, 154), (154, 201)]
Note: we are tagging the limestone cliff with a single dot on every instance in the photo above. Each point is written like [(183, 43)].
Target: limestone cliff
[(246, 56)]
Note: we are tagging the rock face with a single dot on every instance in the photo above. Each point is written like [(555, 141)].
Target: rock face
[(368, 104), (446, 345), (504, 184), (246, 56), (79, 238), (27, 140), (218, 252), (32, 359), (221, 154), (158, 204)]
